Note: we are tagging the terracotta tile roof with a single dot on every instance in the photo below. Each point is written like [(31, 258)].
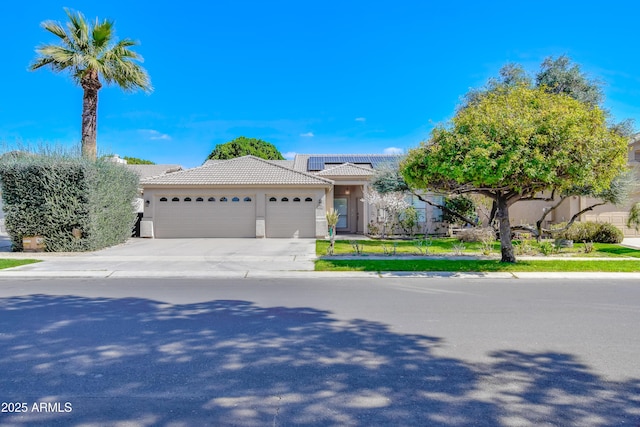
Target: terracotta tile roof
[(212, 162), (285, 163), (300, 162), (346, 169), (247, 170), (149, 171)]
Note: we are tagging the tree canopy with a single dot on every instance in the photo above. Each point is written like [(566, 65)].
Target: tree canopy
[(137, 161), (90, 52), (559, 75), (514, 141), (243, 146)]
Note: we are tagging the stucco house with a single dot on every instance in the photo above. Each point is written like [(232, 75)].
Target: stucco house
[(253, 197), (528, 212)]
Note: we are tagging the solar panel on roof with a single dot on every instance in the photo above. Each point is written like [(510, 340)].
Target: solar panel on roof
[(318, 162)]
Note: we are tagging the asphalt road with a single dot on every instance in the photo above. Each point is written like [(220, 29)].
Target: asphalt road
[(354, 352)]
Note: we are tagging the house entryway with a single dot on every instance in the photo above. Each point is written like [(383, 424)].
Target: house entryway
[(341, 206), (347, 201)]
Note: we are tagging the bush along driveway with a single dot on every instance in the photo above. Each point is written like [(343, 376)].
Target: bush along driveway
[(452, 255)]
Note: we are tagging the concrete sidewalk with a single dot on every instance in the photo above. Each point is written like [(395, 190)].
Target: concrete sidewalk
[(227, 258)]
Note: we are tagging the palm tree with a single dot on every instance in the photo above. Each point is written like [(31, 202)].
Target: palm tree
[(90, 52)]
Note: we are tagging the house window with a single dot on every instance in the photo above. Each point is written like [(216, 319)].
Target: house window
[(418, 205), (308, 199), (637, 156), (175, 199), (187, 199), (284, 199), (296, 199), (247, 199), (235, 199), (273, 199), (223, 199), (163, 199), (199, 199), (212, 199)]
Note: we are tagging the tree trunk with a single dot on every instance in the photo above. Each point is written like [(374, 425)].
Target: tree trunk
[(91, 85), (502, 215)]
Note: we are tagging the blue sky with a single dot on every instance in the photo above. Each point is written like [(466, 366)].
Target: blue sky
[(307, 76)]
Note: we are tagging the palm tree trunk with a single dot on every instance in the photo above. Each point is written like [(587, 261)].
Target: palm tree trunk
[(91, 85)]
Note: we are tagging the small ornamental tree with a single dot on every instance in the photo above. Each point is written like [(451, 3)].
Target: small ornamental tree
[(387, 205), (388, 179), (514, 142), (332, 220)]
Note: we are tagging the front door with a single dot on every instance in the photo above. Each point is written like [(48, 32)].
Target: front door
[(340, 205)]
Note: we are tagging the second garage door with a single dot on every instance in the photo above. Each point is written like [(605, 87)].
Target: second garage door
[(291, 216), (205, 216)]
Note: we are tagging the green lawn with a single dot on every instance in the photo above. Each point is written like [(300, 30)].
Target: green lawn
[(622, 266), (8, 263), (451, 246)]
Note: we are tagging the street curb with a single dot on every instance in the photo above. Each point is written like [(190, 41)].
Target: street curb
[(577, 275), (257, 274)]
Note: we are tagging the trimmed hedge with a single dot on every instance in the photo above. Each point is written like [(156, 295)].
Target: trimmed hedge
[(589, 231), (55, 196)]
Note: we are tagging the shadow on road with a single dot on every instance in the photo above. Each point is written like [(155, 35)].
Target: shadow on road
[(141, 362)]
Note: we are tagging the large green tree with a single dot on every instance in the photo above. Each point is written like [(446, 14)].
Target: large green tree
[(515, 141), (561, 75), (242, 146), (90, 53), (137, 161)]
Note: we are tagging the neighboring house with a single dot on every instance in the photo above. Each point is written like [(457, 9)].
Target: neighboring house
[(150, 171), (530, 212), (145, 172), (253, 197)]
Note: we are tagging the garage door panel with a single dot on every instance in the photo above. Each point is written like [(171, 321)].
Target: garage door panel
[(289, 218), (205, 219)]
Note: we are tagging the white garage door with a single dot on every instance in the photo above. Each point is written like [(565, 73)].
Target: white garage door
[(291, 216), (216, 215)]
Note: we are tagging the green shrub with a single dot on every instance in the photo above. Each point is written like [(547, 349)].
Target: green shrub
[(477, 234), (54, 196), (589, 231), (546, 248), (608, 233)]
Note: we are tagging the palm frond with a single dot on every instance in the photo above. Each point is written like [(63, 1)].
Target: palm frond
[(57, 57), (40, 62), (102, 35), (120, 51), (128, 75), (90, 46), (78, 29), (56, 29)]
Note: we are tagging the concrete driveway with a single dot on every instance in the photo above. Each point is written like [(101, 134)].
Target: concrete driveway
[(154, 257)]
